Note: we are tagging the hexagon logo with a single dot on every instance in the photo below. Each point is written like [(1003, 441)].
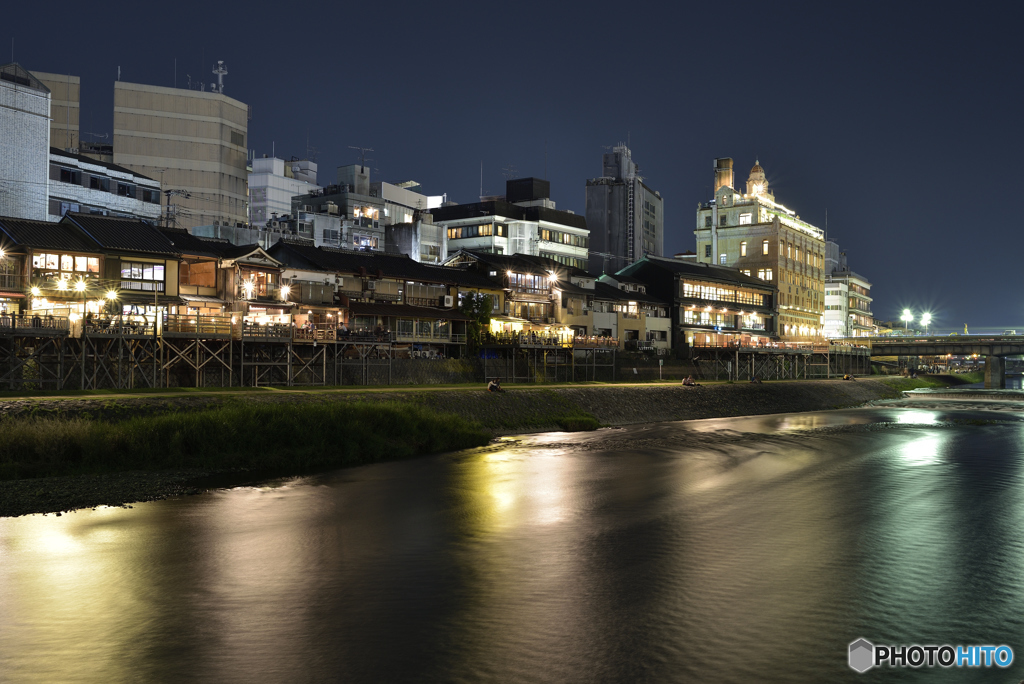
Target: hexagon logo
[(862, 655)]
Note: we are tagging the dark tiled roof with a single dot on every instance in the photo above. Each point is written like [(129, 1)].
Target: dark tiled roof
[(89, 160), (45, 235), (700, 270), (525, 263), (239, 251), (123, 234), (390, 265), (406, 310), (187, 243)]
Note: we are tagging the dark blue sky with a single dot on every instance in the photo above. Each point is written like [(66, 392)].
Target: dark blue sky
[(904, 123)]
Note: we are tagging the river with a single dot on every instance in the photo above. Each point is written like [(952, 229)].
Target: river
[(728, 550)]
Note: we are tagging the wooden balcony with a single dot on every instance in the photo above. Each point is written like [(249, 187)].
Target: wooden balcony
[(183, 325), (34, 326)]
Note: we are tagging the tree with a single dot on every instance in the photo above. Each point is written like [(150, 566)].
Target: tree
[(477, 306)]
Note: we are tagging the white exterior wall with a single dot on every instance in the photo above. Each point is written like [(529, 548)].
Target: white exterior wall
[(24, 151), (271, 191), (81, 198), (837, 314)]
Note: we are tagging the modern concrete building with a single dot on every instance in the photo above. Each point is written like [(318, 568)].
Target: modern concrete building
[(525, 222), (24, 144), (274, 182), (762, 238), (81, 184), (847, 297), (625, 216), (65, 98), (193, 142)]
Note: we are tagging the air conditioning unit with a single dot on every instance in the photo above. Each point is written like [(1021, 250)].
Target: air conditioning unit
[(449, 301), (338, 280), (371, 284)]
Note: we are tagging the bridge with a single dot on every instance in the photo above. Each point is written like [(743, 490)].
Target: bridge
[(995, 349)]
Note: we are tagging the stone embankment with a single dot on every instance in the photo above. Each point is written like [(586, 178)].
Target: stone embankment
[(518, 410)]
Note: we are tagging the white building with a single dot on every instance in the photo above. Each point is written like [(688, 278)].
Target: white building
[(837, 314), (82, 184), (24, 144), (525, 221), (272, 184)]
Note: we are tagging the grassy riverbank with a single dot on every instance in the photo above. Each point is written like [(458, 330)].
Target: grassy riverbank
[(62, 454), (235, 435)]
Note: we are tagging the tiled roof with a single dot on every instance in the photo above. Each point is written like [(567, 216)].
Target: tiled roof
[(44, 235), (187, 243), (389, 265), (699, 270), (122, 234), (606, 291)]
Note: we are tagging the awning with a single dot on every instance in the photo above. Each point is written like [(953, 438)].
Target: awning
[(12, 294), (201, 299), (510, 319)]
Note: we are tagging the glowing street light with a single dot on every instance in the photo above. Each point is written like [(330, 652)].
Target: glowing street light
[(80, 286), (907, 318), (285, 291), (36, 291), (926, 320)]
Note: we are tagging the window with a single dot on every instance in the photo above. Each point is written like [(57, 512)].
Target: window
[(70, 176), (745, 219), (142, 276), (125, 190), (764, 246), (722, 221), (745, 272), (237, 138), (721, 259), (65, 266), (764, 273), (707, 251), (151, 196), (99, 183), (743, 249), (707, 221), (789, 251), (797, 254)]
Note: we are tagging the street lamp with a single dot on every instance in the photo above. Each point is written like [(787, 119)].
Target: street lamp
[(926, 319), (907, 317)]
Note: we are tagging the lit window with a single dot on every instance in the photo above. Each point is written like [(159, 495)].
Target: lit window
[(721, 259), (743, 249), (745, 219), (764, 246)]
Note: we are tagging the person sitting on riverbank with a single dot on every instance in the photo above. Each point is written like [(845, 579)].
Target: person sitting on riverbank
[(755, 380), (849, 377), (494, 386), (688, 381)]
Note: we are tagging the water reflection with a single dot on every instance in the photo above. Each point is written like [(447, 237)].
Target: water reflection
[(749, 549)]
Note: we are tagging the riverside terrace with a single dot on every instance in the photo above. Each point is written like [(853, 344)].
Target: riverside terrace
[(995, 349)]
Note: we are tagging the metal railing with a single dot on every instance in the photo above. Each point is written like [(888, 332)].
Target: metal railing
[(594, 341), (247, 329), (318, 332)]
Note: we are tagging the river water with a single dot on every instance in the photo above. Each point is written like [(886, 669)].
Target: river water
[(732, 550)]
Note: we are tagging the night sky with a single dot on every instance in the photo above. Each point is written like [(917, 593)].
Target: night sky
[(901, 120)]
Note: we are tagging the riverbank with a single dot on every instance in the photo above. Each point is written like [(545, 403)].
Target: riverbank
[(61, 454)]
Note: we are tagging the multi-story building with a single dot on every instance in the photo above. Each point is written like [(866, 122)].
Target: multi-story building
[(65, 96), (525, 222), (646, 323), (625, 216), (711, 306), (25, 147), (193, 142), (753, 233), (360, 213), (847, 297), (81, 184), (274, 182)]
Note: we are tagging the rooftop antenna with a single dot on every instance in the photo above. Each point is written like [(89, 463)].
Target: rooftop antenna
[(481, 177), (220, 71), (545, 158), (362, 153), (509, 172), (118, 72)]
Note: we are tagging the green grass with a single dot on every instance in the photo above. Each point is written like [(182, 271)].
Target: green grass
[(931, 381), (237, 435)]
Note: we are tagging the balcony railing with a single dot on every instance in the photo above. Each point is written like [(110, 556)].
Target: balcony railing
[(182, 324), (118, 326), (402, 336), (594, 342), (247, 329), (24, 324), (318, 332)]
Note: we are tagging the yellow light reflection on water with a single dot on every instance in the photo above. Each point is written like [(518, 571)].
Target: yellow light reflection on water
[(918, 418), (922, 451)]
